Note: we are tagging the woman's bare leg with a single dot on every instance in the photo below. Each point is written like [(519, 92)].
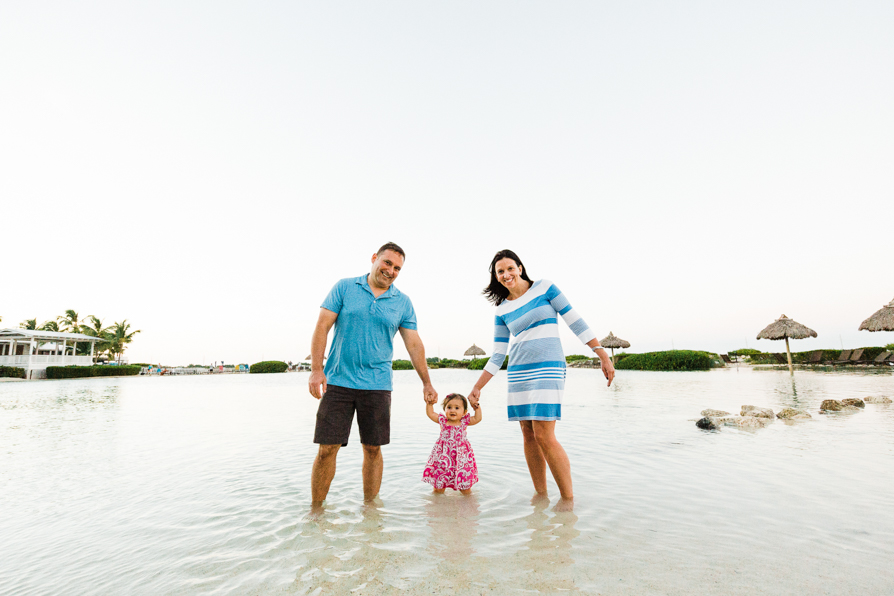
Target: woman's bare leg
[(545, 436), (534, 457)]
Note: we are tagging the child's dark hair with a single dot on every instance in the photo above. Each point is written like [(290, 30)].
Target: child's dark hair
[(453, 396)]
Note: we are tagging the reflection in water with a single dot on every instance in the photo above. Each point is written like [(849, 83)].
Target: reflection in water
[(186, 485), (546, 558), (453, 520), (364, 548)]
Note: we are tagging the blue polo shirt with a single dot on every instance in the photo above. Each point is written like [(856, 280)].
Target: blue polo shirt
[(363, 343)]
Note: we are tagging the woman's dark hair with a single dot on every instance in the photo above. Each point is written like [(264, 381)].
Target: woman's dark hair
[(496, 292), (453, 396)]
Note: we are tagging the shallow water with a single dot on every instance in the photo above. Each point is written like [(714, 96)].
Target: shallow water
[(183, 485)]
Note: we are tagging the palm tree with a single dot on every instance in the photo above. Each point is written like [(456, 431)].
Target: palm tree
[(30, 324), (121, 335), (49, 326), (70, 322), (95, 328)]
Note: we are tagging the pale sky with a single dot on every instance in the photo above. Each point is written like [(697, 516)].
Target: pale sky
[(684, 172)]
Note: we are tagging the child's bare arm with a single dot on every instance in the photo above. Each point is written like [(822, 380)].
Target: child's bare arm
[(430, 412), (477, 417)]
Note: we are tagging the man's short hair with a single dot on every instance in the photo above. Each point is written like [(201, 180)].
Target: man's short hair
[(391, 246)]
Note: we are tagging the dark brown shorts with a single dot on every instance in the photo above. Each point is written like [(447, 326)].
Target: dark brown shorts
[(336, 414)]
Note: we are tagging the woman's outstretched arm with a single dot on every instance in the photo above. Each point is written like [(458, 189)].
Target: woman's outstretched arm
[(580, 328), (475, 394), (501, 348), (608, 367)]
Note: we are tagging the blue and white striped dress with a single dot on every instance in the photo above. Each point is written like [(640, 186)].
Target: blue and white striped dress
[(536, 360)]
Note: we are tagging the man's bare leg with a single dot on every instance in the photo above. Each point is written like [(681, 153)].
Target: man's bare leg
[(323, 472), (372, 471)]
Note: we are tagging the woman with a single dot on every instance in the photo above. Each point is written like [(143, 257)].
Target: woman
[(527, 310)]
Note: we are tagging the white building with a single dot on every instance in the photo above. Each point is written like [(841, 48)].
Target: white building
[(34, 351)]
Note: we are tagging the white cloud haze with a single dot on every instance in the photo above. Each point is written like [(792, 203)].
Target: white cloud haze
[(685, 173)]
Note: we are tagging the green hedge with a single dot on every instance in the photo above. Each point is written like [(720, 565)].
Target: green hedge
[(869, 353), (268, 366), (670, 360), (744, 352), (478, 364), (77, 372), (573, 357), (620, 357), (401, 365), (12, 372), (450, 363)]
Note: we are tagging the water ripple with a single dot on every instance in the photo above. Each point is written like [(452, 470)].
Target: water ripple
[(201, 484)]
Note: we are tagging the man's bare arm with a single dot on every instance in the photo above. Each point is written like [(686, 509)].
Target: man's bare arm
[(417, 356), (317, 382)]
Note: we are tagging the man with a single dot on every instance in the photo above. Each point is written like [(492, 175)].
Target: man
[(367, 312)]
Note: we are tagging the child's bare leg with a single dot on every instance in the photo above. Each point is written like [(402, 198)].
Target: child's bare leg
[(440, 491), (466, 492)]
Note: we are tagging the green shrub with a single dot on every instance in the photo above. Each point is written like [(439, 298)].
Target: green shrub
[(669, 360), (762, 358), (78, 372), (744, 352), (455, 363), (574, 357), (12, 372), (69, 372), (268, 366), (401, 365), (869, 353), (116, 371), (889, 348), (478, 364)]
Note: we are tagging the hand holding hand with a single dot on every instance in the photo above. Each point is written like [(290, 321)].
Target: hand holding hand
[(317, 379), (429, 394), (474, 396)]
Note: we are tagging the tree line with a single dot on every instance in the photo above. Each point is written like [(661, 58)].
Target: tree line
[(113, 338)]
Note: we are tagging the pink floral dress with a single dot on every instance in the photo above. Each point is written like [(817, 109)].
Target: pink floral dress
[(452, 462)]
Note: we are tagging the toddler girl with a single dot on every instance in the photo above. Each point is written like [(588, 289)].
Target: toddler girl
[(452, 462)]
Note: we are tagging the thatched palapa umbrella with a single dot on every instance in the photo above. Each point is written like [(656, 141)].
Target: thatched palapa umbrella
[(612, 342), (474, 352), (784, 328), (883, 320)]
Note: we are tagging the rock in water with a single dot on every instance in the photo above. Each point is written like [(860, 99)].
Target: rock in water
[(853, 401), (757, 412), (706, 424), (792, 414), (873, 399), (831, 405), (711, 413), (745, 421)]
